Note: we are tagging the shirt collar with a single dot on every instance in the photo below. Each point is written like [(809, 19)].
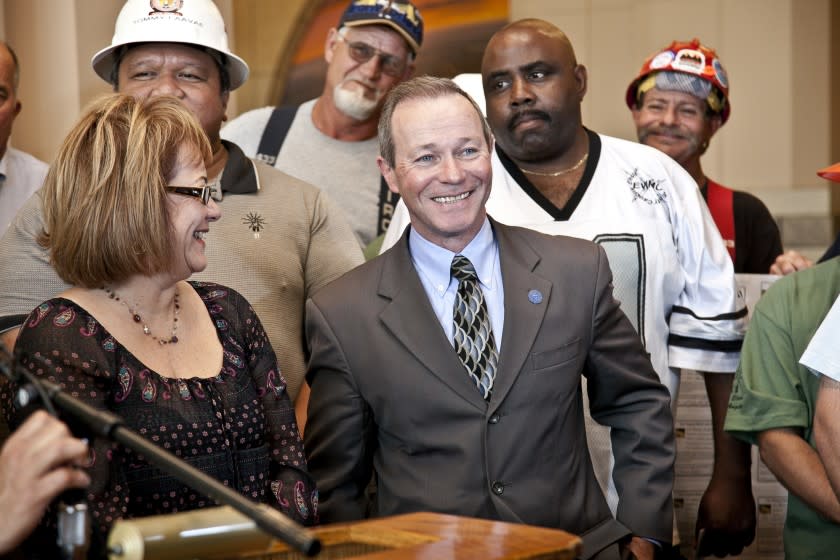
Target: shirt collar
[(435, 261), (239, 175)]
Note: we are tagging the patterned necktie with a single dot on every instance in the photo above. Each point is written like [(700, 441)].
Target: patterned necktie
[(473, 334)]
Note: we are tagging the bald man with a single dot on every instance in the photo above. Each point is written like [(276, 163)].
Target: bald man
[(672, 272), (21, 174)]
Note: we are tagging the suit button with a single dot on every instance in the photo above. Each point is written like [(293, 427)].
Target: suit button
[(498, 488), (494, 419)]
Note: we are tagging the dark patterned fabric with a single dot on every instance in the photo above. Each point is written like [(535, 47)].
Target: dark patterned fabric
[(238, 427), (472, 332)]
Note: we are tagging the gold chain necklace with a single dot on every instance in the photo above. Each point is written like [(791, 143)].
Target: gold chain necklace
[(557, 173), (135, 315)]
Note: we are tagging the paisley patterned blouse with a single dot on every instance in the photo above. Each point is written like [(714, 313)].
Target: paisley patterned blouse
[(238, 427)]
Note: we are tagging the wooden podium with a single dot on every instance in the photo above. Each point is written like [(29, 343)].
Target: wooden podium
[(427, 536), (432, 535)]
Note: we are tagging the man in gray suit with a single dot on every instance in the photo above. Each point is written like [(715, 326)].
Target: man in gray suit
[(463, 393)]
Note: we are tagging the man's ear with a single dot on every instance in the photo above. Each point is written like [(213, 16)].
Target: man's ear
[(582, 78), (225, 98), (18, 107), (329, 44), (636, 112), (715, 122), (388, 173)]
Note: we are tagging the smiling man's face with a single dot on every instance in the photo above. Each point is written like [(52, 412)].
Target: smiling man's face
[(441, 168)]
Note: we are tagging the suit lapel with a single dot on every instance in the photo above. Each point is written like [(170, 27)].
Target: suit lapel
[(526, 301), (410, 318)]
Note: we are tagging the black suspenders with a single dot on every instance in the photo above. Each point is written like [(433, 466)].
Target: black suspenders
[(275, 133), (272, 141)]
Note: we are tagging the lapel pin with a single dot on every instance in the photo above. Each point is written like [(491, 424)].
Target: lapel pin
[(535, 296)]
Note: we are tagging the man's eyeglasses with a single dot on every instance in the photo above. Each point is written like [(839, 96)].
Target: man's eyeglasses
[(201, 193), (361, 52)]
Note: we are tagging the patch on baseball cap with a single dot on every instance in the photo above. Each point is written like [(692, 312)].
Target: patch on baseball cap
[(403, 17)]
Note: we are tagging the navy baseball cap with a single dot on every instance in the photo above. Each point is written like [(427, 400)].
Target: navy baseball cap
[(403, 17)]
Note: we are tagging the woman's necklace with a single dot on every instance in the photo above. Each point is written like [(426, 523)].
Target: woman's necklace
[(135, 315), (558, 173)]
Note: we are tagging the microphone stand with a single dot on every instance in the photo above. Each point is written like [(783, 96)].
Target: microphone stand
[(108, 425)]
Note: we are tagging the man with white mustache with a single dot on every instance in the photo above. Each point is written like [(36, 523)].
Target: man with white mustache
[(354, 101), (330, 141)]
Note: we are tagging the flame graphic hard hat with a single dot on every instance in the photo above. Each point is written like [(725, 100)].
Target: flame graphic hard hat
[(691, 58)]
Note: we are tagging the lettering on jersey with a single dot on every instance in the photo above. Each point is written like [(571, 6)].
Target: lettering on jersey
[(626, 255), (646, 188)]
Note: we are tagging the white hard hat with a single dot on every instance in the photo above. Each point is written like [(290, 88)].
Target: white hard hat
[(191, 22)]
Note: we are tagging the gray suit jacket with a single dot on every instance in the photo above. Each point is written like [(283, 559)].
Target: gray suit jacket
[(389, 393)]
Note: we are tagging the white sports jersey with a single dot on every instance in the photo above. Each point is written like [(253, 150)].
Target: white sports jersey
[(672, 274)]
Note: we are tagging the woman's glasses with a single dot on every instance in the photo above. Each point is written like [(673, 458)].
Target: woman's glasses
[(201, 193)]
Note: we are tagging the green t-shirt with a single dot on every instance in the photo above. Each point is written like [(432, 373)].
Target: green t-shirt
[(771, 390)]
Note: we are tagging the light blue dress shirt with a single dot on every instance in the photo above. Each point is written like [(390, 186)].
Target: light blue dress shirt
[(433, 266)]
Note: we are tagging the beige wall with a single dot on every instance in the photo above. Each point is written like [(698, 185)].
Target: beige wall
[(49, 89), (54, 42), (778, 54), (263, 29)]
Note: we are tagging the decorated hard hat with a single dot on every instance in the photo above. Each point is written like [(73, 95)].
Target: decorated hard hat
[(686, 59), (832, 173), (190, 22)]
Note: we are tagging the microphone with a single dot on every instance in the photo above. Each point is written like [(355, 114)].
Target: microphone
[(218, 532), (73, 518), (73, 525)]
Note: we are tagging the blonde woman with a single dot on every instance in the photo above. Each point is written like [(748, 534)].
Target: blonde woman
[(186, 364)]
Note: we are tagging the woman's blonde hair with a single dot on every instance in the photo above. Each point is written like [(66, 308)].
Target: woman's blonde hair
[(104, 201)]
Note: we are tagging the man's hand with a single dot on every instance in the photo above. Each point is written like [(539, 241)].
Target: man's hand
[(639, 548), (727, 509), (826, 430), (37, 462), (727, 516), (790, 262)]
